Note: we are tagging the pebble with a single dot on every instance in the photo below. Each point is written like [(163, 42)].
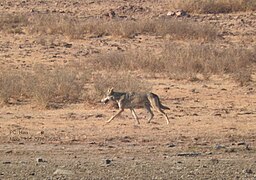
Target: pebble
[(247, 171), (194, 91), (7, 162), (171, 145), (8, 152), (218, 146), (39, 160), (107, 162), (190, 154), (99, 116)]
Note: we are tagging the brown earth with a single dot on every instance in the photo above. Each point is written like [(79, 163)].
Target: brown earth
[(212, 128)]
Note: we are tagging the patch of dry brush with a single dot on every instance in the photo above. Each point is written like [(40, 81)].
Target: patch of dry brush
[(182, 60), (58, 24), (214, 6), (43, 86), (123, 28)]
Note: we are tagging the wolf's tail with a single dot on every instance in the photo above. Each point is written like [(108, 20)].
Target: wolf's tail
[(164, 107), (156, 101)]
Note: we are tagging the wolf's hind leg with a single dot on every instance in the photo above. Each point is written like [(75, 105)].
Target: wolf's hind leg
[(148, 108), (165, 115)]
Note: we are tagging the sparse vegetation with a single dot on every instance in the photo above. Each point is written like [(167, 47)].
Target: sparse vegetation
[(59, 85), (58, 24), (11, 83), (214, 6), (77, 29), (13, 23), (179, 60), (45, 87)]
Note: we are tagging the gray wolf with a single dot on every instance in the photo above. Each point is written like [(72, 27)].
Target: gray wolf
[(131, 100)]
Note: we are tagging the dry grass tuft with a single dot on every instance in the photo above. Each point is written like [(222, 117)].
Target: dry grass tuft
[(77, 29), (214, 6), (60, 85), (45, 87), (180, 60), (56, 24), (59, 24), (184, 29), (11, 85), (206, 58), (13, 23)]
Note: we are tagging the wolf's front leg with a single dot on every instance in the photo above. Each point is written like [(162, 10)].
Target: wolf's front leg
[(118, 113)]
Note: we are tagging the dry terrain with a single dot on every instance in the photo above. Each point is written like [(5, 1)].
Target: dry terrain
[(52, 134)]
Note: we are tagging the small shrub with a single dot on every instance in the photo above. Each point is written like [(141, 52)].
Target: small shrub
[(59, 85), (206, 59), (183, 29), (11, 83), (77, 29), (243, 76), (44, 86), (214, 6), (180, 60), (13, 23)]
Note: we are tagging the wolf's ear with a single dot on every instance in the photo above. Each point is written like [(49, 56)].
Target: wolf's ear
[(110, 90)]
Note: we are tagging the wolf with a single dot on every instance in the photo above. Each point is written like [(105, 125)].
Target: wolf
[(131, 100)]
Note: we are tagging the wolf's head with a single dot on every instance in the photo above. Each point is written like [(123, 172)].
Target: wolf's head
[(108, 96)]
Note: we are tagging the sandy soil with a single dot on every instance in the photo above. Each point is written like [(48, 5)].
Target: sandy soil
[(212, 128)]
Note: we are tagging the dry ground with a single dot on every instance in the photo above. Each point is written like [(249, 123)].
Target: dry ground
[(212, 128)]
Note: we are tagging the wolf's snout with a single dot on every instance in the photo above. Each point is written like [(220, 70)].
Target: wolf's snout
[(104, 101)]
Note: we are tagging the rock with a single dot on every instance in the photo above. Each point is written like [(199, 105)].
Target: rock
[(178, 13), (39, 160), (107, 161), (171, 145), (241, 143), (230, 150), (194, 91), (6, 162), (217, 114), (247, 147), (111, 13), (67, 45), (215, 161), (99, 116), (218, 146), (32, 173), (171, 13), (62, 172), (181, 13), (189, 154), (40, 132), (247, 171), (8, 152)]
